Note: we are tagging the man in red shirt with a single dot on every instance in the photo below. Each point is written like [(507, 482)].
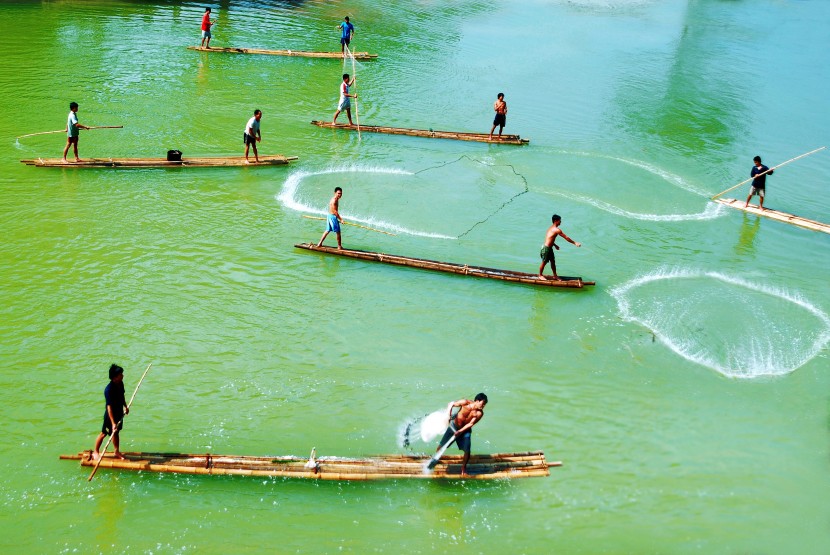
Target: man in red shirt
[(206, 23)]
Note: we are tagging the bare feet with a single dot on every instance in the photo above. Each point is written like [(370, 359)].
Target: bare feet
[(95, 456), (65, 161), (119, 455)]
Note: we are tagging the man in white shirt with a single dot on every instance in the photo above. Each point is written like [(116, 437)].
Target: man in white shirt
[(252, 134), (72, 131)]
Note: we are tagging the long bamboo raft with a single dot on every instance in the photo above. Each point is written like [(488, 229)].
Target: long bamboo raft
[(429, 133), (190, 162), (299, 53), (775, 215), (380, 467), (453, 268)]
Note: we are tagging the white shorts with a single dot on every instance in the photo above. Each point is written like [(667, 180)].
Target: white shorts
[(345, 104)]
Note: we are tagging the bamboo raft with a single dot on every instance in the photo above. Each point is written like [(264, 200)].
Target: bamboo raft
[(299, 53), (775, 215), (429, 133), (380, 467), (450, 267), (192, 162)]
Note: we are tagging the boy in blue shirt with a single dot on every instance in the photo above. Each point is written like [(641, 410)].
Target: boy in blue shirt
[(114, 413), (759, 184), (348, 33)]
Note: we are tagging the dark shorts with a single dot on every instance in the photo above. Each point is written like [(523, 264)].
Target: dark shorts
[(501, 119), (345, 40), (248, 140), (106, 428), (463, 442), (547, 254)]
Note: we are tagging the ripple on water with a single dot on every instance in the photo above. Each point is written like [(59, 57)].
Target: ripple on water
[(630, 188), (462, 183), (736, 327)]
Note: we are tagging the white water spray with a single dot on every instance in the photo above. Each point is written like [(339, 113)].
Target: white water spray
[(290, 198), (758, 355)]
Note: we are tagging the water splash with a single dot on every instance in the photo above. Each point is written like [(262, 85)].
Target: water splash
[(289, 197), (757, 355), (711, 211)]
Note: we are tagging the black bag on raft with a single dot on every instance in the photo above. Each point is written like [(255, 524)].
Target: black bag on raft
[(174, 155)]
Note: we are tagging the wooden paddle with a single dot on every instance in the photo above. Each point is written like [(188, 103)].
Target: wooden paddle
[(115, 431), (355, 225), (64, 130), (768, 171)]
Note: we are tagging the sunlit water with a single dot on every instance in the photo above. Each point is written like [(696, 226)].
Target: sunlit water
[(685, 393)]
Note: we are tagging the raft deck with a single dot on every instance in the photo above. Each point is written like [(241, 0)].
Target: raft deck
[(774, 214), (191, 162), (380, 467), (450, 267), (428, 133), (299, 53)]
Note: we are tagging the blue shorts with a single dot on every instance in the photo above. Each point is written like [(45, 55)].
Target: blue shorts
[(205, 34), (345, 40), (463, 442), (332, 224)]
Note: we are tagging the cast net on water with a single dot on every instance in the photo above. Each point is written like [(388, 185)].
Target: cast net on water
[(736, 327)]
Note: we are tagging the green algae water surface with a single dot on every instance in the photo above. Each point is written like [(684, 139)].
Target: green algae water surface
[(686, 393)]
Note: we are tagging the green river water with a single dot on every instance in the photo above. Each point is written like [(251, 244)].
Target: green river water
[(687, 394)]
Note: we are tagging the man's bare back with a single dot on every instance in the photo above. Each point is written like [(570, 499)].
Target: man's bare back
[(550, 244)]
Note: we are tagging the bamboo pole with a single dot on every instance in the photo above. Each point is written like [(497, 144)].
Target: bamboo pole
[(64, 130), (355, 225), (768, 171), (115, 431)]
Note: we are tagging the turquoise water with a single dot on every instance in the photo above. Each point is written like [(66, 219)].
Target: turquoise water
[(686, 393)]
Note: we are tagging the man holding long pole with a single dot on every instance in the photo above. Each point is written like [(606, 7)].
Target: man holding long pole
[(759, 174), (114, 413), (72, 131)]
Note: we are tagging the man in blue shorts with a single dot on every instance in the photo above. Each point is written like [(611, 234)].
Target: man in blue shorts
[(333, 220), (460, 427), (347, 33)]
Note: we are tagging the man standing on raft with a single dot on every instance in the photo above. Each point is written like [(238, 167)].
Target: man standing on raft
[(207, 22), (460, 427), (72, 134), (114, 412), (345, 99), (550, 243), (346, 34), (759, 184), (252, 135), (333, 220), (500, 106)]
